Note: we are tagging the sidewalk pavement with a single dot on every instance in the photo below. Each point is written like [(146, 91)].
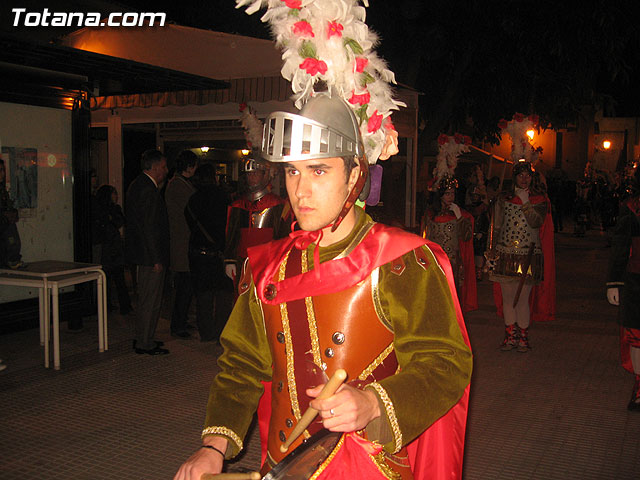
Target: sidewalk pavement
[(556, 412)]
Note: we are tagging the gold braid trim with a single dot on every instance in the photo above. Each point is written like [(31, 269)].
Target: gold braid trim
[(391, 414), (380, 461), (378, 360), (291, 377), (328, 460), (311, 318), (224, 431)]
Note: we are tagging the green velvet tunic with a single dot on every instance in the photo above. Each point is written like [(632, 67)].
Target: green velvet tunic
[(435, 362)]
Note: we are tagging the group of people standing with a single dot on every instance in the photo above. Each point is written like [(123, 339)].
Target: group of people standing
[(510, 236), (183, 231)]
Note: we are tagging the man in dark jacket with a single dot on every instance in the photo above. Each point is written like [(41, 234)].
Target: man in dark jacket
[(147, 246)]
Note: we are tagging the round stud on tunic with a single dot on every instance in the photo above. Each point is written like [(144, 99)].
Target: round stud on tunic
[(244, 285), (329, 352), (270, 291), (288, 422), (280, 337), (397, 267), (338, 338), (280, 386), (282, 436)]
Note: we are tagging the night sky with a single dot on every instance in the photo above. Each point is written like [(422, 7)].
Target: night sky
[(480, 59)]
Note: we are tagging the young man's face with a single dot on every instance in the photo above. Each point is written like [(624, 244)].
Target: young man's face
[(317, 190)]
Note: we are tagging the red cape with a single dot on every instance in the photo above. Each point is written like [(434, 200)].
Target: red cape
[(469, 286), (438, 452), (542, 300)]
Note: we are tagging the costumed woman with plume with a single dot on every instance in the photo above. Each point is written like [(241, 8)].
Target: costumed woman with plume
[(342, 293), (448, 225), (520, 254)]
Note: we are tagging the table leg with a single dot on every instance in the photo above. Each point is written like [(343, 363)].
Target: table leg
[(56, 328), (101, 316), (104, 306), (45, 292), (41, 314)]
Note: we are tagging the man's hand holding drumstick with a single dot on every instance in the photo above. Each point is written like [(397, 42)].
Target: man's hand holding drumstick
[(348, 410)]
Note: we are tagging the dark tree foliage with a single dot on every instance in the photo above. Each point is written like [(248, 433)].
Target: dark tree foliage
[(479, 61)]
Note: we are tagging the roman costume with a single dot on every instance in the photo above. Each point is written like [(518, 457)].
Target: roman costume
[(624, 275), (379, 303), (520, 249), (293, 323)]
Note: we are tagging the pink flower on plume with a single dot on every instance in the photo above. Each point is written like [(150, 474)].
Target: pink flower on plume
[(502, 124), (334, 28), (459, 138), (313, 66), (360, 99), (534, 118), (443, 138), (388, 124), (242, 107), (374, 123), (303, 29), (518, 117), (361, 63), (293, 3)]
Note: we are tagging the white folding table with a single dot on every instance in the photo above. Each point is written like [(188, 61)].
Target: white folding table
[(51, 275)]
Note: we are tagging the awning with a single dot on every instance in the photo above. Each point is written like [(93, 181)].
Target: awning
[(46, 73)]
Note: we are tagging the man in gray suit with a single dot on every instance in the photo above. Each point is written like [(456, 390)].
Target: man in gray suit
[(147, 247)]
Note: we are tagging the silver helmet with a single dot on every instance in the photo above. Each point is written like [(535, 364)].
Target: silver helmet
[(251, 165), (326, 127)]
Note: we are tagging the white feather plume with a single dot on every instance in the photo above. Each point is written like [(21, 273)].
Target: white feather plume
[(328, 40)]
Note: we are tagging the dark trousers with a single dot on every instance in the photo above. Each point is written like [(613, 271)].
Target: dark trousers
[(214, 294), (116, 275), (150, 285), (182, 301)]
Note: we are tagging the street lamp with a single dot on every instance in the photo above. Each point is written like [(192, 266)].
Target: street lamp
[(204, 149), (245, 152), (606, 144), (530, 134)]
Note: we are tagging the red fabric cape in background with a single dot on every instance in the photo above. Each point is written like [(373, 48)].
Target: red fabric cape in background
[(438, 452), (469, 286), (542, 300), (253, 236)]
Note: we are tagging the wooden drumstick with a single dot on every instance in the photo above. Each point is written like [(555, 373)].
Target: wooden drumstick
[(329, 389), (230, 476)]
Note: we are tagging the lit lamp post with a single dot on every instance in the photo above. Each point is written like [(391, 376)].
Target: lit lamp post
[(606, 144), (530, 134)]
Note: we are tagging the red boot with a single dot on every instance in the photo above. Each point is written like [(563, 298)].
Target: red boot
[(523, 340), (510, 338)]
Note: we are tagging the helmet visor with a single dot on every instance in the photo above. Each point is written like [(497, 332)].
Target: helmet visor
[(289, 137)]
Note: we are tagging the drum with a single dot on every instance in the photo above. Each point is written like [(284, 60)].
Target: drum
[(305, 460)]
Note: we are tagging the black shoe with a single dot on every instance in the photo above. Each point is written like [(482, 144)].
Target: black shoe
[(152, 351), (182, 334), (157, 342)]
